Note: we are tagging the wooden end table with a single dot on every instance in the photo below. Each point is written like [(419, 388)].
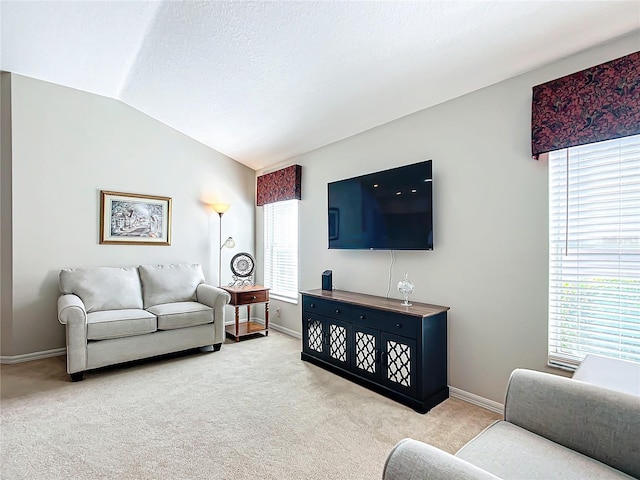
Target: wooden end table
[(247, 296)]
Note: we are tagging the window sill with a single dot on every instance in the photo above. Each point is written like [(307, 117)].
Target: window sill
[(563, 367)]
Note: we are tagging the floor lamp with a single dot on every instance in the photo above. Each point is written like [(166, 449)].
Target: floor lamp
[(220, 209)]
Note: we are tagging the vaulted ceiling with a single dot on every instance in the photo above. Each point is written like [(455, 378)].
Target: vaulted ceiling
[(263, 81)]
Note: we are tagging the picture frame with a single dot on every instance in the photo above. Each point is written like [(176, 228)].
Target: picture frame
[(134, 219)]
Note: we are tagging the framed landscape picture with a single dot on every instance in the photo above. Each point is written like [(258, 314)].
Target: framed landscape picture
[(134, 219)]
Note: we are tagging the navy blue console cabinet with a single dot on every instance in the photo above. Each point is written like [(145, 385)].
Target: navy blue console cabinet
[(397, 351)]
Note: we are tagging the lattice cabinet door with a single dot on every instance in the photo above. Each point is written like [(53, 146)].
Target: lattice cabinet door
[(313, 336), (399, 363), (366, 352), (337, 342)]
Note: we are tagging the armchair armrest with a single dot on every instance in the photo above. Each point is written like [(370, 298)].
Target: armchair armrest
[(414, 460), (215, 298), (600, 423), (72, 313)]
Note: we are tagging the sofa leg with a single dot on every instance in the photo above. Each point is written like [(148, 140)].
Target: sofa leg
[(77, 377), (217, 347)]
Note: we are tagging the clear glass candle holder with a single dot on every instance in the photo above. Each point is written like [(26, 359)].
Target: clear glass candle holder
[(406, 288)]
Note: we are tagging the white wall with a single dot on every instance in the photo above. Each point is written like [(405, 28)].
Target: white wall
[(67, 146), (490, 223), (6, 327)]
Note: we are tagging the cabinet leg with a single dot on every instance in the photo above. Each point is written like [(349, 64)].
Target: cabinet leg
[(266, 318)]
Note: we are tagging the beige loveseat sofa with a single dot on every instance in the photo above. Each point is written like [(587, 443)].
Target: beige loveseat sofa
[(118, 314), (553, 428)]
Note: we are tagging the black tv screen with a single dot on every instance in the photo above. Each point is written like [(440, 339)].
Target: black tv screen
[(387, 210)]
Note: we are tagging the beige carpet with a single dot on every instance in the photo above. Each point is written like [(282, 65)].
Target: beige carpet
[(253, 410)]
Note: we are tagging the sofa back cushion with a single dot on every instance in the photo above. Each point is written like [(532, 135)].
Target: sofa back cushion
[(169, 283), (103, 288)]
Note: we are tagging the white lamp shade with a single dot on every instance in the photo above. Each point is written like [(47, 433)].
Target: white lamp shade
[(220, 207)]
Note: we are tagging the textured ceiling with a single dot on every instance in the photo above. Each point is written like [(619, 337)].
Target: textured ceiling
[(262, 82)]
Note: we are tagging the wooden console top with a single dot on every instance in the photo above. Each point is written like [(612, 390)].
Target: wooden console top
[(389, 304)]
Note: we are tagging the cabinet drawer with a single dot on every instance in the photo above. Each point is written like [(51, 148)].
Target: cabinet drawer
[(252, 297), (396, 323), (328, 308)]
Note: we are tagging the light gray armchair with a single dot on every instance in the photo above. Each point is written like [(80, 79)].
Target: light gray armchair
[(553, 427)]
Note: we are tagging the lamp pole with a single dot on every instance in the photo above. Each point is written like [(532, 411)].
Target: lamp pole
[(220, 209), (220, 250)]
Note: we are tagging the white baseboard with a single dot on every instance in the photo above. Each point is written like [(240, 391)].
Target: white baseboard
[(272, 326), (286, 331), (27, 357), (476, 400), (453, 391)]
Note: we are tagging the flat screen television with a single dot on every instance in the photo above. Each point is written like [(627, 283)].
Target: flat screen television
[(387, 210)]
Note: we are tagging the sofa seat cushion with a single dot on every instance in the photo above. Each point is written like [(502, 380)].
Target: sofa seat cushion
[(507, 451), (181, 314), (119, 323)]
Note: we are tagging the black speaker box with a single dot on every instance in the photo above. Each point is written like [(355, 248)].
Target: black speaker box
[(327, 281)]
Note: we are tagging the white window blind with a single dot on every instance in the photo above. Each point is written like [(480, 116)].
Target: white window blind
[(594, 251), (281, 249)]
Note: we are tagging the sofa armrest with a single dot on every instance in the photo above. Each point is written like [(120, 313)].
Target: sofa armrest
[(600, 423), (215, 298), (71, 309), (414, 460), (72, 314)]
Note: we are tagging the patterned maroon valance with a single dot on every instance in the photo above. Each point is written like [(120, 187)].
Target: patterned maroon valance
[(284, 184), (596, 104)]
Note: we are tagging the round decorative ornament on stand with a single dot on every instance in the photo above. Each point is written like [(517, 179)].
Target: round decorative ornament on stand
[(242, 267), (406, 288)]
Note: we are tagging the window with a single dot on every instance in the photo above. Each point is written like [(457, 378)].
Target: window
[(594, 251), (281, 249)]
